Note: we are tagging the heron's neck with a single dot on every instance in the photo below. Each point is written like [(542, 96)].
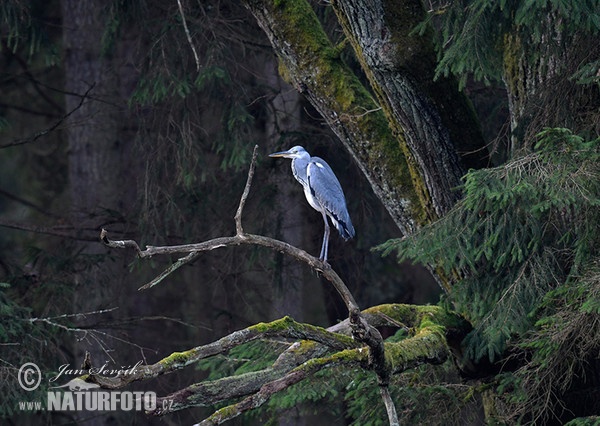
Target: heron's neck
[(299, 170)]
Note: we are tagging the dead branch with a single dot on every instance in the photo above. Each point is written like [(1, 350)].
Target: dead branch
[(282, 328), (44, 132), (362, 331), (188, 35), (348, 357)]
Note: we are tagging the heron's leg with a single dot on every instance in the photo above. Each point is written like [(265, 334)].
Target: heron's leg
[(325, 245)]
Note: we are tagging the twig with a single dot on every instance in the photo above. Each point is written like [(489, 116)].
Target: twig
[(390, 407), (188, 35), (87, 331), (180, 262), (51, 128), (57, 231), (27, 203), (238, 213)]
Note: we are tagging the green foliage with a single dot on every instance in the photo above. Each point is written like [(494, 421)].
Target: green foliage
[(563, 345), (21, 341), (23, 32), (518, 233), (472, 33), (584, 421), (588, 73), (16, 327)]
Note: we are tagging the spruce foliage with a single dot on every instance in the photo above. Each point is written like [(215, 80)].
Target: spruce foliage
[(522, 230), (472, 32)]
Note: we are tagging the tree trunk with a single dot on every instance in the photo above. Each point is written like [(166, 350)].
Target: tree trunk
[(412, 167), (284, 118), (98, 157), (431, 117), (541, 90), (312, 65)]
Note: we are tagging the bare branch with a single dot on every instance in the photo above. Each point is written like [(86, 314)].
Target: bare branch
[(51, 128), (390, 407), (188, 35), (247, 239), (64, 231), (427, 345), (238, 214), (119, 244), (179, 263), (27, 203)]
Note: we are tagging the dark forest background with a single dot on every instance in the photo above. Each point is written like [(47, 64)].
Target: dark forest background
[(107, 123), (141, 118)]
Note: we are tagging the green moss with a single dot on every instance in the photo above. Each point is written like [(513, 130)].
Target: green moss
[(360, 355), (277, 325), (512, 52), (412, 315), (177, 359), (223, 414)]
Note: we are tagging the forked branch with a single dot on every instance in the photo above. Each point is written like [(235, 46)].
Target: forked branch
[(362, 331)]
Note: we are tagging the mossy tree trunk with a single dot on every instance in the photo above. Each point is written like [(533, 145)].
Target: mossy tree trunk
[(431, 119), (400, 140)]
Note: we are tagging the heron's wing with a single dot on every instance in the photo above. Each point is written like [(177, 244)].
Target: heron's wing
[(326, 189)]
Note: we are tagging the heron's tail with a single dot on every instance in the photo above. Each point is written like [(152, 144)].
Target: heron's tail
[(345, 229)]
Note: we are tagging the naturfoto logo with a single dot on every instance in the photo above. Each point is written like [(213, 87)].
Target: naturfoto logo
[(79, 395)]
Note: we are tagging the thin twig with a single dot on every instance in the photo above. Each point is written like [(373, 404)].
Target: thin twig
[(188, 35), (180, 262), (51, 128), (238, 214)]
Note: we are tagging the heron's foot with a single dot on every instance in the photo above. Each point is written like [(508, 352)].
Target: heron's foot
[(324, 260)]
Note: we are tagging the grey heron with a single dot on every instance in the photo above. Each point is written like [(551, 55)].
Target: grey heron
[(322, 190)]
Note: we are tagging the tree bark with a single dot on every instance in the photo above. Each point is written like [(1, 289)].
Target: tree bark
[(411, 163), (285, 118), (431, 117), (99, 146), (541, 90)]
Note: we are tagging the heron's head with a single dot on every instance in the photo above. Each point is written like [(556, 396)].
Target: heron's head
[(295, 152)]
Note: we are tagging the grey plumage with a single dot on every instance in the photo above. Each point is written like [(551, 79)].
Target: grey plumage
[(322, 190)]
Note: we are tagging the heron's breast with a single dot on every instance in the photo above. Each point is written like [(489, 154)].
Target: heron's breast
[(314, 203)]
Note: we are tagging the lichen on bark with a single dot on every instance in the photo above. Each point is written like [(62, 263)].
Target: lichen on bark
[(311, 63)]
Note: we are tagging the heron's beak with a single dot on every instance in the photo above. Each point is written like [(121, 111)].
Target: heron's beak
[(284, 154)]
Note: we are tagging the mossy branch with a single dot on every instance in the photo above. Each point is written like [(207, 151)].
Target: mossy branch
[(316, 348), (282, 328), (307, 369), (435, 119)]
